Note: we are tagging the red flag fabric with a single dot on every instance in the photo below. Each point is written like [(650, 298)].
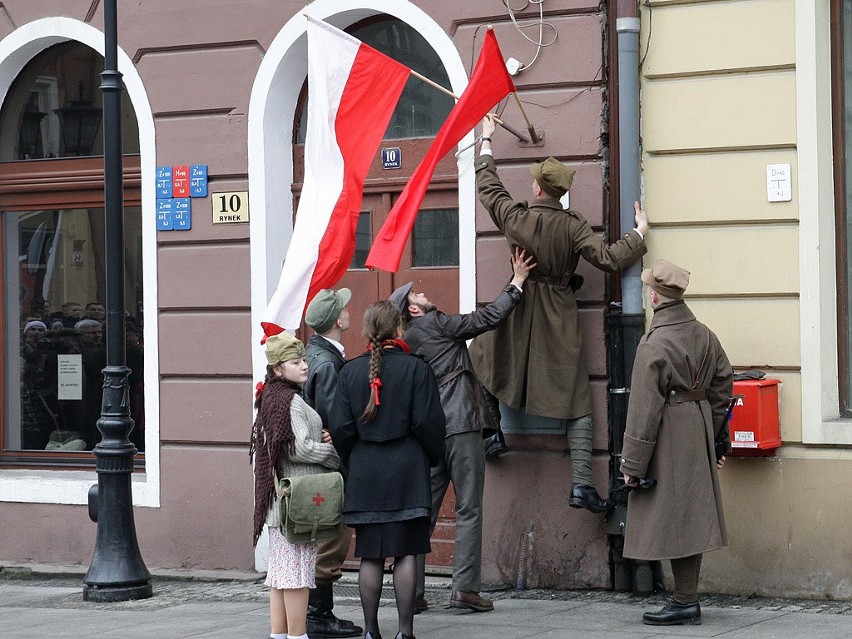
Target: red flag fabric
[(352, 92), (489, 83)]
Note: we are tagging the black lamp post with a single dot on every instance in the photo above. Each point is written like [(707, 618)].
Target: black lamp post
[(79, 122), (117, 572)]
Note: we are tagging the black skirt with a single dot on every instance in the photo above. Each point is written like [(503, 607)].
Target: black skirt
[(392, 539)]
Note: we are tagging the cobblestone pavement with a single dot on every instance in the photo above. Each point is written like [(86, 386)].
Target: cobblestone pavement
[(170, 591)]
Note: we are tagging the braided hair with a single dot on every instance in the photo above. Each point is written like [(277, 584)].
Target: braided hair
[(382, 321)]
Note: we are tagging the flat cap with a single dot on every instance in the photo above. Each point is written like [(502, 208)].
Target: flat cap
[(400, 296)]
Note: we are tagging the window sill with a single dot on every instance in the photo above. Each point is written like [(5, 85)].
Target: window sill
[(42, 486)]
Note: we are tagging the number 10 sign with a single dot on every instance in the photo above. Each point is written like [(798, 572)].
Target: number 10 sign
[(231, 207)]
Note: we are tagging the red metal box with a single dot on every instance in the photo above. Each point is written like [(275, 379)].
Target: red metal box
[(755, 424)]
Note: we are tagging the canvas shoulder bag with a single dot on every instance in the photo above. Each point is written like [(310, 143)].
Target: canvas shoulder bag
[(311, 506)]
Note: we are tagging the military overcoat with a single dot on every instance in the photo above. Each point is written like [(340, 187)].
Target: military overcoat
[(674, 442), (533, 359)]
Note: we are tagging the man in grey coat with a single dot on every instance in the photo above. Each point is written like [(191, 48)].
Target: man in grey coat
[(328, 315), (441, 340), (679, 395)]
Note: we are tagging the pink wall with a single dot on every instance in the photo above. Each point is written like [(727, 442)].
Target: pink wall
[(198, 60)]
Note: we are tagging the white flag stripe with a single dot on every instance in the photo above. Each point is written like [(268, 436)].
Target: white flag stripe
[(330, 59)]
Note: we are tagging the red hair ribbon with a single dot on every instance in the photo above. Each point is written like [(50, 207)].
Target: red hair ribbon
[(258, 390), (376, 384)]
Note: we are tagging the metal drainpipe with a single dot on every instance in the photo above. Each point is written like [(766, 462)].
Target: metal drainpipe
[(627, 325)]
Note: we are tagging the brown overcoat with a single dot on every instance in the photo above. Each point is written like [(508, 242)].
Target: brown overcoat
[(532, 360), (674, 443)]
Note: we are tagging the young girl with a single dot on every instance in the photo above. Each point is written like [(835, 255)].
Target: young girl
[(286, 439), (388, 426)]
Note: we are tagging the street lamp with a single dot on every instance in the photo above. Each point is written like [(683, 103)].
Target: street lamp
[(79, 121), (117, 572)]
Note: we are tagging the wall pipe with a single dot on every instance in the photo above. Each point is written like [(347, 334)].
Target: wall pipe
[(625, 325)]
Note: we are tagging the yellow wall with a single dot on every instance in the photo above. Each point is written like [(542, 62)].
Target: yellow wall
[(719, 100)]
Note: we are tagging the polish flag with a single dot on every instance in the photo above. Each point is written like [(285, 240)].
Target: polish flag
[(489, 83), (352, 92)]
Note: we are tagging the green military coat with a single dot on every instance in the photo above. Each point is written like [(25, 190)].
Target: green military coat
[(682, 515), (533, 359)]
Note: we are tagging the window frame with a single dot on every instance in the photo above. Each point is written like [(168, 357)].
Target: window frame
[(56, 183)]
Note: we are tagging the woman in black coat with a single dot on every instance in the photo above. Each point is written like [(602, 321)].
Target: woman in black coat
[(388, 427)]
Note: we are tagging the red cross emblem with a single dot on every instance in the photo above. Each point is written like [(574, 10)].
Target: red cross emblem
[(318, 499)]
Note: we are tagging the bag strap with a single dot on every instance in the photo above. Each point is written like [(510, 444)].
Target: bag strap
[(703, 365)]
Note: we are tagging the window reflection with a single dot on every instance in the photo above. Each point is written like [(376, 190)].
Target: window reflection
[(55, 293), (54, 107), (435, 238)]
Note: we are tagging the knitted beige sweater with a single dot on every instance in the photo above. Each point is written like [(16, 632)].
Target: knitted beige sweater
[(311, 456)]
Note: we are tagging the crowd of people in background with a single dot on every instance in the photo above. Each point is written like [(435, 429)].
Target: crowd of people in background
[(51, 423)]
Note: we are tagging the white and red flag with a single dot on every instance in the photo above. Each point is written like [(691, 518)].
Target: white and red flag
[(489, 83), (352, 92)]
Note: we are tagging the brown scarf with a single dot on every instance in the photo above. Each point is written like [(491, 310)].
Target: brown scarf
[(272, 440)]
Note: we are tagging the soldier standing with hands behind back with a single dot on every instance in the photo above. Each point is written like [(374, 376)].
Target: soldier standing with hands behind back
[(533, 360), (679, 394)]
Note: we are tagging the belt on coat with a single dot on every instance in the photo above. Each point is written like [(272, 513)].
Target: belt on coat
[(679, 397), (566, 280)]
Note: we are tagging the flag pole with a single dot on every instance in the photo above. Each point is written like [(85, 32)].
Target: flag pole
[(444, 90), (437, 86), (533, 134)]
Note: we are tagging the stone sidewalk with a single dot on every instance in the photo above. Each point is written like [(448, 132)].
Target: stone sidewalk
[(48, 604)]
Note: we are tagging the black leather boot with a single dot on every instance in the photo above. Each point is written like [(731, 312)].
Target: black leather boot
[(674, 613), (322, 624), (587, 497)]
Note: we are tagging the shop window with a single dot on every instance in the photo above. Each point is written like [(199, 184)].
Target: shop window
[(436, 238), (52, 227)]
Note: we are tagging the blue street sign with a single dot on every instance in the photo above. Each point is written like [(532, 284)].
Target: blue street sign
[(198, 180), (392, 158), (164, 181), (182, 213), (165, 219)]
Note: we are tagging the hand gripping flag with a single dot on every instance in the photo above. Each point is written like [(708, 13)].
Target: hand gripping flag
[(352, 92), (489, 83)]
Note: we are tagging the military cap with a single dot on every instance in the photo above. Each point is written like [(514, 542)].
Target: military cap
[(325, 308), (667, 279), (553, 177), (282, 348)]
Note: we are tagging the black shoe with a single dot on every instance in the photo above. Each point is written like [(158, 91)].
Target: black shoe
[(674, 614), (399, 635), (587, 497), (324, 625), (495, 446), (371, 635), (420, 605)]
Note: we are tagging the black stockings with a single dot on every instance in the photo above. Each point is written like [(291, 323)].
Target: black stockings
[(404, 583)]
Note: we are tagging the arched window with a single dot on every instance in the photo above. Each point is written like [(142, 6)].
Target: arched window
[(53, 248), (421, 109)]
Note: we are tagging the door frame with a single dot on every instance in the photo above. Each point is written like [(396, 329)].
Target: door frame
[(272, 110)]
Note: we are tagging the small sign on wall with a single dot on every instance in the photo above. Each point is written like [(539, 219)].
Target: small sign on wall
[(230, 208), (392, 158), (779, 183)]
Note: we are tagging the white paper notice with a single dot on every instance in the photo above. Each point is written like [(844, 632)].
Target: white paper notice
[(70, 377)]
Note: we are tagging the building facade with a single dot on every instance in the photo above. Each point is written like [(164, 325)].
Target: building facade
[(727, 88)]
